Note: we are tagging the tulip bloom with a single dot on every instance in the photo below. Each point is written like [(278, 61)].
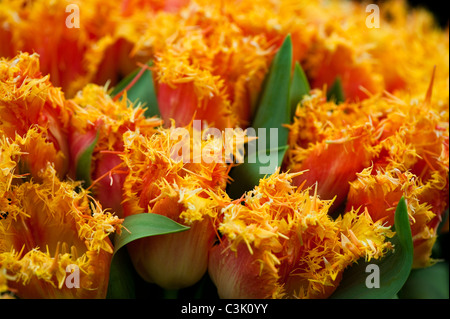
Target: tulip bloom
[(207, 68), (281, 243), (420, 46), (380, 193), (100, 121), (30, 101), (335, 57), (77, 46), (183, 187), (51, 233), (223, 97), (362, 54), (412, 162), (331, 143)]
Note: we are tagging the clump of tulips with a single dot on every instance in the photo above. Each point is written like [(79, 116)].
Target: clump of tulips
[(265, 148)]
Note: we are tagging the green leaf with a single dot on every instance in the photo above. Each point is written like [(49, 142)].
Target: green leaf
[(299, 88), (249, 174), (83, 166), (142, 90), (122, 275), (394, 268), (273, 111), (336, 92), (145, 225), (274, 108), (427, 283)]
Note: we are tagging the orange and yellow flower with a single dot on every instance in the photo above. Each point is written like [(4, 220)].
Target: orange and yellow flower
[(73, 56), (340, 50), (208, 68), (187, 188), (100, 120), (281, 243), (331, 143), (32, 106), (48, 229), (367, 60), (389, 139), (420, 46), (412, 162)]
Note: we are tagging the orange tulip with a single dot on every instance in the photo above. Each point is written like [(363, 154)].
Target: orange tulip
[(412, 162), (76, 46), (100, 120), (281, 243), (187, 189), (32, 106), (419, 47), (366, 59), (53, 241), (331, 143), (207, 68)]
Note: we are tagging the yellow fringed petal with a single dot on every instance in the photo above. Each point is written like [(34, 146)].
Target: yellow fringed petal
[(49, 227)]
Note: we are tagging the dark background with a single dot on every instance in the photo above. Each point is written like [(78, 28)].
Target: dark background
[(439, 8)]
